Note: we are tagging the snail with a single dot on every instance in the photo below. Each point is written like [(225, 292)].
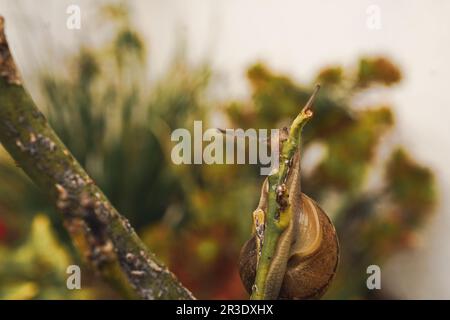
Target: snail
[(306, 253)]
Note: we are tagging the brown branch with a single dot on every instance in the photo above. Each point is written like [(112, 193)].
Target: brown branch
[(101, 234)]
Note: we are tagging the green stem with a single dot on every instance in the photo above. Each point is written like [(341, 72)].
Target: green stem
[(274, 254), (102, 235)]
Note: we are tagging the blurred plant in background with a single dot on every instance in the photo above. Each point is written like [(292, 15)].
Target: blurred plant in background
[(39, 262), (195, 218)]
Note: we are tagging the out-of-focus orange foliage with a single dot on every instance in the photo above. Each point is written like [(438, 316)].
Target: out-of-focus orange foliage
[(379, 69)]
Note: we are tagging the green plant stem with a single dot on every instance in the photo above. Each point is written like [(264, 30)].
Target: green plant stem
[(101, 234), (274, 254)]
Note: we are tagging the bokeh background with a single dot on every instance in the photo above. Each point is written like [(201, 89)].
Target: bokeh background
[(376, 154)]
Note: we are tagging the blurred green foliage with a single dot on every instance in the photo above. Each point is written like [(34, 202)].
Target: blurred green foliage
[(37, 268), (196, 217)]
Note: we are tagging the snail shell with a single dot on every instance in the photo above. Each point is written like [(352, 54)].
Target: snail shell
[(314, 250)]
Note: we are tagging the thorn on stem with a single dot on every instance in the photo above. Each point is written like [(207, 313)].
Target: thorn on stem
[(308, 107)]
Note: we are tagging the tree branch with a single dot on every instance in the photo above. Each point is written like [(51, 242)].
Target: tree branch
[(101, 234)]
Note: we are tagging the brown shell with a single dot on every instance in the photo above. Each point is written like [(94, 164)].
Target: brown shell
[(308, 275)]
